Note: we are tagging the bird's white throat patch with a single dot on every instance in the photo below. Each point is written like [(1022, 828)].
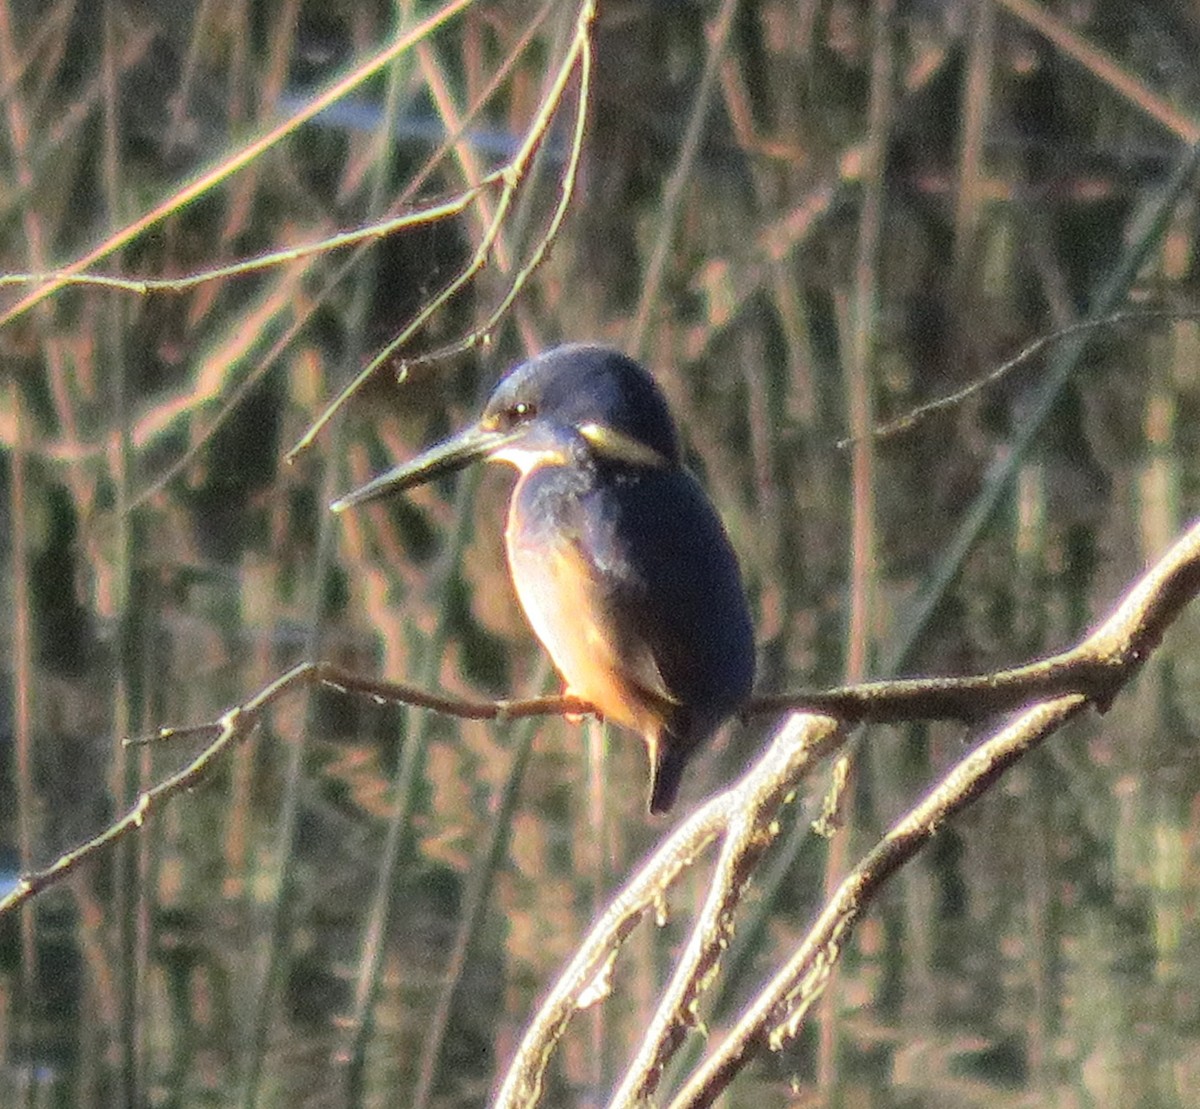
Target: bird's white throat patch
[(526, 458)]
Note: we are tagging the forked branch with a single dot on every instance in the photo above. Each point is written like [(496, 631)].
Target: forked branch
[(744, 818)]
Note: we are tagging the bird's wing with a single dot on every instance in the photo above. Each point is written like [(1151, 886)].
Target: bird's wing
[(595, 630), (669, 594)]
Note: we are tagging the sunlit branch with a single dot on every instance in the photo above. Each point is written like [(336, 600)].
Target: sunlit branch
[(229, 166), (742, 817), (1122, 643), (430, 213), (1096, 670), (752, 828), (776, 1015)]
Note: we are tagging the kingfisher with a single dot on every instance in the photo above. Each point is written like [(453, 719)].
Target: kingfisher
[(617, 556)]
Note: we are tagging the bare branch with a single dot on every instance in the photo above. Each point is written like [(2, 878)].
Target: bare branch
[(743, 816), (1108, 658), (579, 53), (237, 724), (777, 1014)]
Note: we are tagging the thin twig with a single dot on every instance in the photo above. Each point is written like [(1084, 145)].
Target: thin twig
[(916, 415), (236, 724), (579, 53), (201, 438), (245, 156), (371, 232)]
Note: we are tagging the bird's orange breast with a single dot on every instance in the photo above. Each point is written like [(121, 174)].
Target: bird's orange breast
[(558, 594)]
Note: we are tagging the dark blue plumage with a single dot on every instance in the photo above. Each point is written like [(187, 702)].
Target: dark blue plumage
[(617, 556)]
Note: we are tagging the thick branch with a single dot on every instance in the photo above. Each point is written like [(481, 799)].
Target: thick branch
[(1094, 671), (1116, 649), (746, 806), (777, 1013)]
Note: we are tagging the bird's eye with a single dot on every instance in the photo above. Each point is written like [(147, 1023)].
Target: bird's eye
[(521, 411)]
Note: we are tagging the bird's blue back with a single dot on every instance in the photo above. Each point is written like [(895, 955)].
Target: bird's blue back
[(664, 581)]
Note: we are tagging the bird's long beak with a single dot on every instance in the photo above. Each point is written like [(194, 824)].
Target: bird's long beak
[(452, 454)]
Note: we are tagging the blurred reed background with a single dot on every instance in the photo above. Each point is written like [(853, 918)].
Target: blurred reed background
[(807, 218)]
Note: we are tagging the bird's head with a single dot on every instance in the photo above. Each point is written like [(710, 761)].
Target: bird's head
[(579, 397)]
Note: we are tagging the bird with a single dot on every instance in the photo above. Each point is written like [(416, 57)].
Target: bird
[(618, 557)]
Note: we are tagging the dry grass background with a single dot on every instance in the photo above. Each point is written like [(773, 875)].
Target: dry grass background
[(808, 218)]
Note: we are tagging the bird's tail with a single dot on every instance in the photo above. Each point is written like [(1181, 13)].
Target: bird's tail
[(668, 757)]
